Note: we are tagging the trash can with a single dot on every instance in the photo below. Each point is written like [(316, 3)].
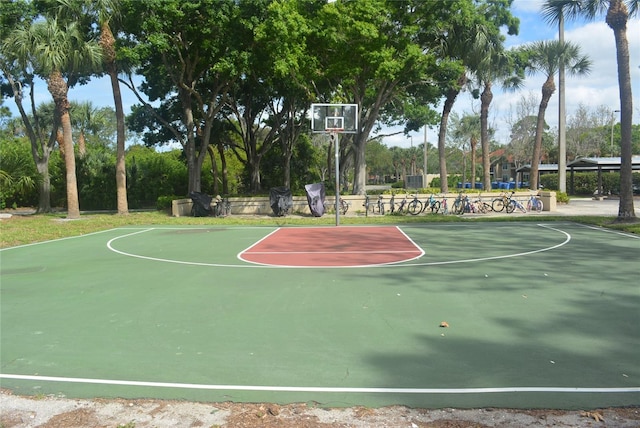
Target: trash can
[(479, 186), (467, 185), (495, 185), (548, 200)]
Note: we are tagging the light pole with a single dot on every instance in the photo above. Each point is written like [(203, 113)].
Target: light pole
[(613, 122), (424, 160)]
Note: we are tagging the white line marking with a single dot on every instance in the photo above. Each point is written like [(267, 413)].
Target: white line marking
[(506, 256), (251, 264), (615, 232), (156, 259), (634, 389), (247, 251), (336, 252), (58, 239)]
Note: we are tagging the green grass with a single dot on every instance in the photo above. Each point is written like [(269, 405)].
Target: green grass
[(24, 229)]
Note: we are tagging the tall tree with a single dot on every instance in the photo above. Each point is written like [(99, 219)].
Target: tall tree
[(188, 59), (468, 128), (617, 14), (59, 54), (377, 54), (105, 14), (474, 31), (546, 57), (17, 70), (497, 66)]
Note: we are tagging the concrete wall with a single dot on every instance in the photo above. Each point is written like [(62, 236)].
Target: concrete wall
[(260, 205)]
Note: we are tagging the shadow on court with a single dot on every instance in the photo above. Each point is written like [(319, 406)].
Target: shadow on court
[(539, 316)]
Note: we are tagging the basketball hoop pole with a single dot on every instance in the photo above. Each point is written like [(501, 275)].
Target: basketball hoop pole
[(334, 119), (334, 137)]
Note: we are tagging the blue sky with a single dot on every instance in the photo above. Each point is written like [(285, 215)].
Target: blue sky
[(600, 88)]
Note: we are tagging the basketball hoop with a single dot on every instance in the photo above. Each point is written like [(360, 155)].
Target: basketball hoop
[(335, 119)]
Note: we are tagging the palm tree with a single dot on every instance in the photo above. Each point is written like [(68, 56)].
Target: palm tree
[(497, 65), (546, 57), (105, 11), (55, 51), (470, 43), (88, 120), (617, 14)]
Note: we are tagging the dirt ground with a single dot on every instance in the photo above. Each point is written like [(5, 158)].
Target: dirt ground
[(56, 412)]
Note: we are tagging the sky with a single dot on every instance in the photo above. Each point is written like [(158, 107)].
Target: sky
[(599, 88)]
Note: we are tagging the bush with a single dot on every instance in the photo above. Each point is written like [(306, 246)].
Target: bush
[(19, 178), (562, 197), (585, 183)]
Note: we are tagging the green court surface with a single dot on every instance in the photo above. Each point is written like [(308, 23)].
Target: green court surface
[(540, 316)]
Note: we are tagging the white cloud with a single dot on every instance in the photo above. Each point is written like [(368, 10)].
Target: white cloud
[(526, 6)]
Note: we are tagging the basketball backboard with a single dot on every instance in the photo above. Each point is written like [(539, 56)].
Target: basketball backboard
[(326, 118)]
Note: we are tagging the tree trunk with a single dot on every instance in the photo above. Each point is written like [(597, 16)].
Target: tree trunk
[(40, 151), (485, 101), (617, 17), (548, 88), (44, 201), (452, 94), (59, 90), (107, 42), (473, 143), (121, 169), (360, 165), (224, 170)]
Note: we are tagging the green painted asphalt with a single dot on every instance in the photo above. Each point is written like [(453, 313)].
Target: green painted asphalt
[(540, 316)]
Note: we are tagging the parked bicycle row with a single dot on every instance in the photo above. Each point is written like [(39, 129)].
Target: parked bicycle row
[(462, 204)]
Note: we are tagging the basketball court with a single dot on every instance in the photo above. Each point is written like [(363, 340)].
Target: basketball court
[(539, 315)]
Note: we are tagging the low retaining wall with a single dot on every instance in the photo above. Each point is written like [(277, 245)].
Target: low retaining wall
[(260, 205)]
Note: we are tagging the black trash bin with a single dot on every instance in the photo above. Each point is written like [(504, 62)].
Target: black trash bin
[(281, 200), (315, 198), (201, 206)]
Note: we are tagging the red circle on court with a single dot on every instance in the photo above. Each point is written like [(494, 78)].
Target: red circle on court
[(341, 246)]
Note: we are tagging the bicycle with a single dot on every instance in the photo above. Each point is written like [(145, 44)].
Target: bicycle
[(366, 205), (380, 205), (414, 207), (444, 205), (458, 206), (469, 207), (222, 207), (482, 206), (534, 203), (503, 203), (517, 205), (344, 206), (431, 204), (401, 205)]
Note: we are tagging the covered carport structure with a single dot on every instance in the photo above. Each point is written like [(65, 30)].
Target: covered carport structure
[(599, 164)]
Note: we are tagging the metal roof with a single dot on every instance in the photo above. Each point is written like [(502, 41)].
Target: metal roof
[(588, 164), (603, 163)]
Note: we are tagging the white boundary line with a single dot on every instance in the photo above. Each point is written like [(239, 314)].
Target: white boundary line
[(258, 264), (615, 232), (58, 239), (387, 265), (198, 386)]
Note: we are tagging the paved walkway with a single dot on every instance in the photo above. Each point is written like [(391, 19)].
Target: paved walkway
[(588, 206)]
